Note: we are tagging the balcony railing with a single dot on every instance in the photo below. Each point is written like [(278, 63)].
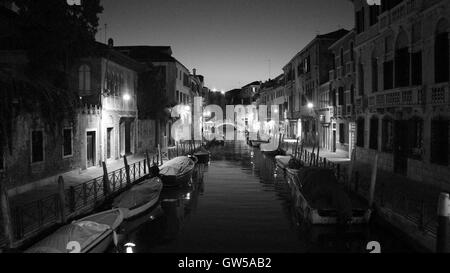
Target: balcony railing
[(398, 12), (440, 94), (397, 97)]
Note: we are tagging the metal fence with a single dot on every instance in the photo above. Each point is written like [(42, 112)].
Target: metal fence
[(32, 218)]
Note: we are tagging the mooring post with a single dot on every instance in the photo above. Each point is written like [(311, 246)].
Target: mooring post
[(62, 200), (6, 213), (373, 181), (147, 156), (159, 154), (106, 184), (127, 170), (443, 217)]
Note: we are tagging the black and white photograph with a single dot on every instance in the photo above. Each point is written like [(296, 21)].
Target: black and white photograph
[(201, 128)]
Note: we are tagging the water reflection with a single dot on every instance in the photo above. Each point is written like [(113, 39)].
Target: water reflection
[(241, 203)]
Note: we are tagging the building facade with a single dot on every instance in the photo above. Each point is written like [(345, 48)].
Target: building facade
[(341, 98), (402, 87), (304, 74)]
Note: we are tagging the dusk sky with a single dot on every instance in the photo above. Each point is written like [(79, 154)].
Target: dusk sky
[(230, 42)]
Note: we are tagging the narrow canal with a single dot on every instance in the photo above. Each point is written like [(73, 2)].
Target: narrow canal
[(240, 204)]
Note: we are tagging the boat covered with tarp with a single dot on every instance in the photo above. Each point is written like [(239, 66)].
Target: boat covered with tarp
[(202, 155), (139, 198), (177, 171), (92, 234), (322, 200)]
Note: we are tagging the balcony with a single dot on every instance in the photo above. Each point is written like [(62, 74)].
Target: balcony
[(440, 94), (397, 97), (400, 11)]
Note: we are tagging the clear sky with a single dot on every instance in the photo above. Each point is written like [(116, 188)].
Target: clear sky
[(230, 42)]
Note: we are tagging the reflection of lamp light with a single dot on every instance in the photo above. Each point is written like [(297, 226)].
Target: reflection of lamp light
[(275, 111), (126, 97), (310, 105), (129, 247)]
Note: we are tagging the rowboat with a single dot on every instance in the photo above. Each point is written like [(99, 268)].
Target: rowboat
[(321, 200), (91, 234), (139, 198), (177, 171)]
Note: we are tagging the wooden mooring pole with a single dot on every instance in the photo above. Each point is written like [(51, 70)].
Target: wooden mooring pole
[(106, 184), (62, 200), (443, 220), (6, 214), (127, 169)]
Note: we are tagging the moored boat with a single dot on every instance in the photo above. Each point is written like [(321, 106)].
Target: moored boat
[(273, 148), (202, 156), (177, 171), (139, 198), (283, 161), (91, 234), (322, 200)]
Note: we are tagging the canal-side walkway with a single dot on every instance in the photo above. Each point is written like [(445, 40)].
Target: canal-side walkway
[(48, 186)]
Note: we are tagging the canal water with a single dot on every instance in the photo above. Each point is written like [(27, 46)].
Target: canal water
[(240, 203)]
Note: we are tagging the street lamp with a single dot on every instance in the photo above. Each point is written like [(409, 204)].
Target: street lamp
[(126, 97), (310, 105)]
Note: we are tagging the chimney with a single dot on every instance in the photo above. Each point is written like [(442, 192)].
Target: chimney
[(194, 71), (110, 43)]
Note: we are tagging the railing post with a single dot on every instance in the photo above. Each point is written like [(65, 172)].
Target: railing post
[(127, 170), (148, 160), (159, 154), (106, 184), (6, 214), (62, 200)]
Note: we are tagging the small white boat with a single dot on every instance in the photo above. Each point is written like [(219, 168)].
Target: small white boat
[(91, 234), (139, 198)]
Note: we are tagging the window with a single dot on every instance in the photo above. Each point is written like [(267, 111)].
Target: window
[(37, 146), (84, 78), (361, 79), (441, 53), (388, 75), (360, 21), (415, 134), (341, 133), (341, 96), (387, 135), (307, 64), (416, 67), (373, 133), (67, 142), (360, 132), (439, 141), (374, 11), (342, 57), (178, 96), (352, 94), (352, 51), (374, 75), (402, 61), (333, 97)]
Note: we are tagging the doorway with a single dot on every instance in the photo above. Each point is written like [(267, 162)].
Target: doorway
[(109, 143), (90, 148)]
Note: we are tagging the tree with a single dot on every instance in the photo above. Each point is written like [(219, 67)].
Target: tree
[(55, 34)]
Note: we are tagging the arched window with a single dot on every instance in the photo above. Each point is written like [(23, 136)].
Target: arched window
[(441, 52), (373, 144), (84, 78), (360, 124), (402, 62)]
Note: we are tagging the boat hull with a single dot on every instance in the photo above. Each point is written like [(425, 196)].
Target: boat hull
[(172, 181), (203, 158)]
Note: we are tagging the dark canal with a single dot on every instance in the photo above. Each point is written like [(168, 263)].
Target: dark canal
[(237, 204)]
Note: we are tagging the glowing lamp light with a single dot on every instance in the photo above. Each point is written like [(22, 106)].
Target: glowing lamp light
[(276, 111), (126, 97), (310, 105)]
